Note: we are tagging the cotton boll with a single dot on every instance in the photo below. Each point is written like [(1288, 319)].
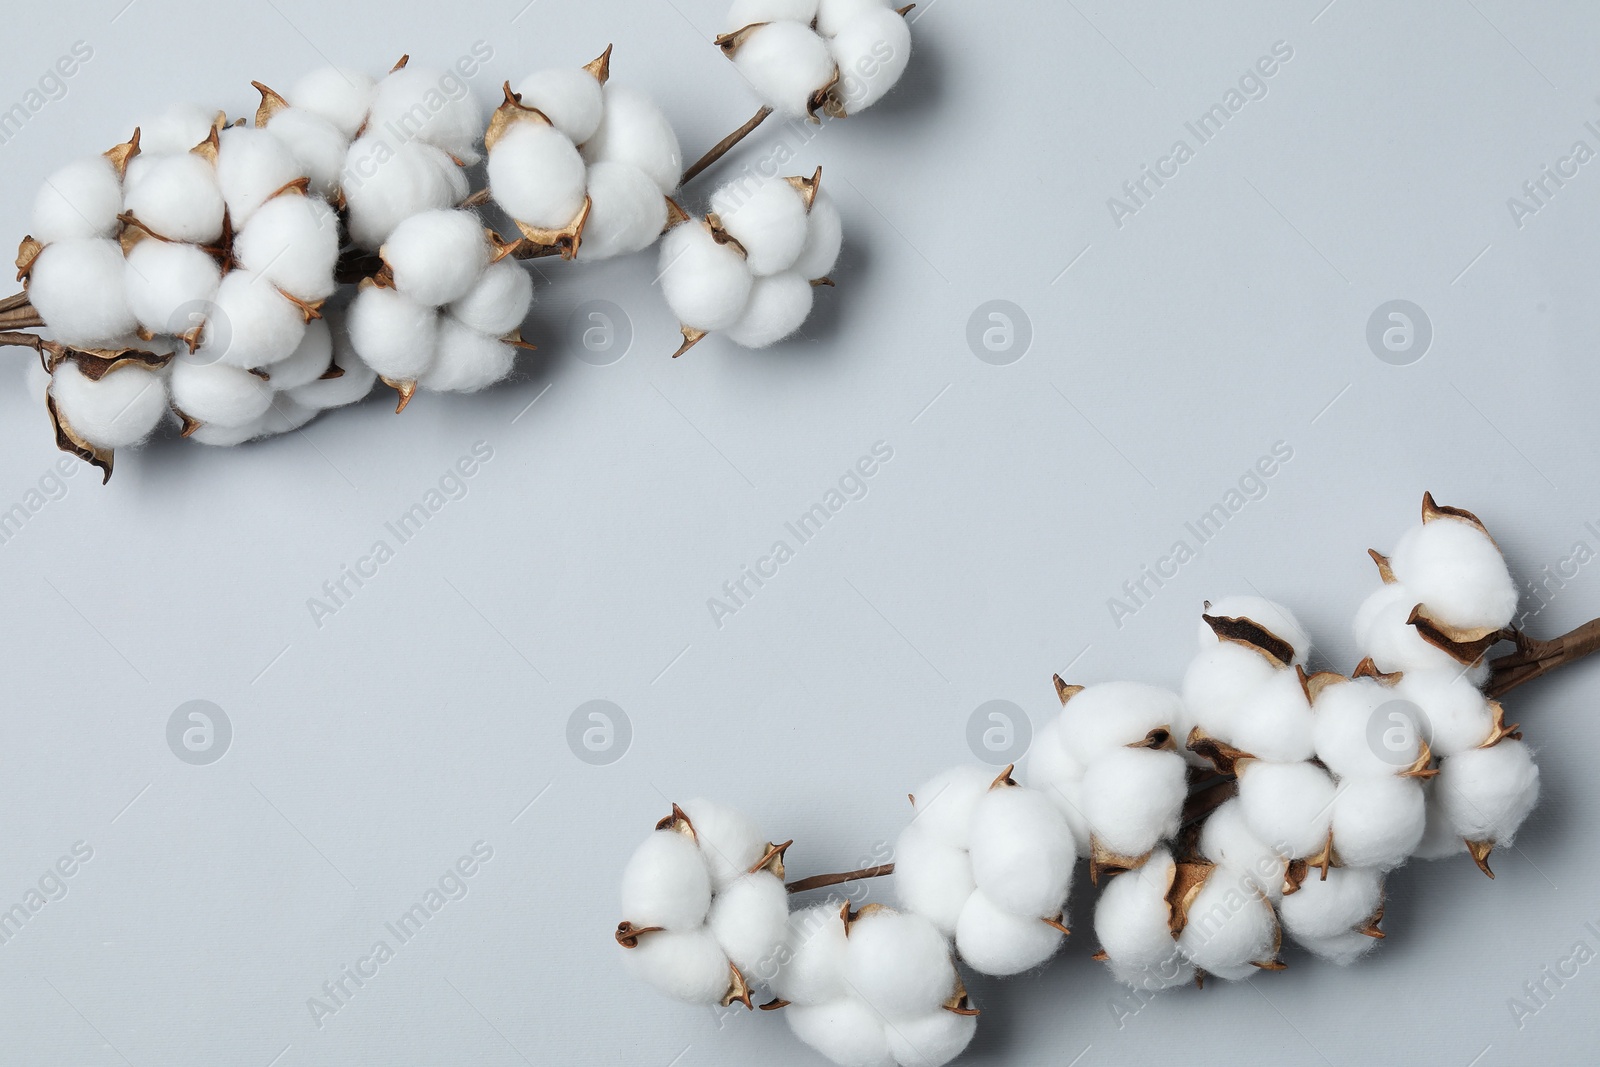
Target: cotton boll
[(1052, 769), (1320, 908), (341, 96), (80, 200), (292, 242), (930, 1040), (1439, 837), (834, 15), (308, 362), (537, 175), (1113, 714), (1455, 569), (252, 165), (779, 304), (218, 394), (945, 803), (749, 12), (393, 334), (1131, 923), (465, 360), (177, 129), (117, 411), (354, 384), (1216, 685), (1486, 793), (1226, 839), (1363, 728), (1022, 851), (995, 940), (1268, 614), (627, 211), (570, 97), (1458, 713), (750, 920), (824, 238), (437, 256), (216, 436), (1341, 949), (1287, 805), (931, 878), (1275, 721), (179, 198), (317, 144), (384, 186), (812, 970), (1374, 607), (499, 300), (170, 286), (768, 218), (634, 130), (1395, 645), (283, 415), (785, 63), (77, 288), (706, 284), (899, 964), (730, 841), (1378, 822), (666, 883), (431, 106), (1133, 798), (685, 964), (251, 324), (1230, 928), (845, 1031), (872, 52)]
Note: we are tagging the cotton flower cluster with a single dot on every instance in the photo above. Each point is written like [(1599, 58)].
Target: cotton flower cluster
[(749, 268), (580, 163), (990, 863), (805, 56)]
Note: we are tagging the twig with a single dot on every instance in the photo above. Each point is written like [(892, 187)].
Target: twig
[(722, 147), (20, 340), (16, 300), (1534, 658), (819, 881), (1203, 802)]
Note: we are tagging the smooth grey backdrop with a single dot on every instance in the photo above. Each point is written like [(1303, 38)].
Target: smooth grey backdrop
[(1227, 313)]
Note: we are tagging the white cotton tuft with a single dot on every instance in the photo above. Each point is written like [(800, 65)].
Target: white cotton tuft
[(785, 63), (1133, 798), (570, 97), (1113, 714), (537, 176), (1216, 685), (899, 964), (1364, 729), (666, 883), (1231, 926), (436, 257), (1052, 769), (1378, 822), (1348, 898), (824, 238), (779, 304), (812, 970), (749, 12), (353, 384), (834, 15), (1458, 714), (730, 841), (767, 217), (179, 198), (995, 940), (77, 287), (498, 301), (1275, 721), (317, 145), (307, 363), (1486, 793), (215, 436), (634, 130), (251, 324), (931, 878), (1457, 572), (1226, 839), (930, 1040), (626, 214), (119, 410), (1383, 633), (1439, 837), (845, 1031), (1131, 922), (684, 964), (393, 334), (750, 920), (944, 803), (177, 129), (252, 166), (341, 96), (293, 243), (1022, 851), (218, 394), (1268, 614), (706, 284), (384, 186), (284, 414), (465, 360), (1289, 806), (170, 286), (431, 106), (81, 199), (872, 52), (1341, 949)]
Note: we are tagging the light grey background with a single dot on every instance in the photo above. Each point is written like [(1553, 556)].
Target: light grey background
[(1167, 356)]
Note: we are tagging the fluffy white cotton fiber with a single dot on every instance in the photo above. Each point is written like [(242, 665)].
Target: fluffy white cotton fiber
[(686, 964), (1274, 721), (353, 384), (218, 394), (385, 185), (118, 410), (1131, 923), (778, 305), (394, 335), (749, 12), (634, 130), (627, 211), (293, 243), (308, 362), (1274, 617), (944, 804), (1227, 839), (498, 301), (871, 52), (1231, 926), (251, 324), (847, 1032), (706, 283), (80, 200), (1455, 570), (730, 841), (252, 165), (537, 175), (77, 287), (1378, 822), (785, 63), (177, 129), (812, 970), (341, 96), (899, 964), (1289, 806), (570, 97), (170, 286), (465, 360), (930, 1040), (1132, 798), (767, 217), (750, 918), (1486, 793), (932, 878), (666, 884), (437, 256), (833, 16), (1022, 851), (824, 238), (433, 107), (179, 197), (996, 940), (318, 147)]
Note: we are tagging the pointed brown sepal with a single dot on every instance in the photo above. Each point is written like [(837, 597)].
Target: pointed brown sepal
[(600, 66), (1325, 858), (904, 11), (400, 64), (1187, 881), (260, 373), (122, 153), (68, 440), (1159, 739), (308, 310), (271, 103), (738, 989), (1384, 570), (207, 149), (1065, 692), (723, 237), (1274, 964), (1057, 924), (731, 42), (406, 390), (1422, 766), (1312, 685), (96, 363), (499, 247), (1432, 512), (514, 339), (1294, 875), (959, 1002), (567, 239), (1480, 855), (628, 935), (850, 918), (774, 1004), (1224, 757), (807, 187), (772, 859), (333, 371), (191, 337), (511, 112), (1003, 780), (1252, 635), (826, 100), (691, 337), (675, 214), (1104, 861), (301, 186), (679, 822), (1199, 978), (187, 423), (1368, 669), (1465, 646), (27, 252), (1101, 957), (824, 280), (1371, 928), (1499, 731)]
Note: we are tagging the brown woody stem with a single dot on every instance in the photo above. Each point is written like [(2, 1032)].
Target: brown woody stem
[(722, 147), (1534, 658), (19, 340), (16, 300), (820, 881), (1203, 802)]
